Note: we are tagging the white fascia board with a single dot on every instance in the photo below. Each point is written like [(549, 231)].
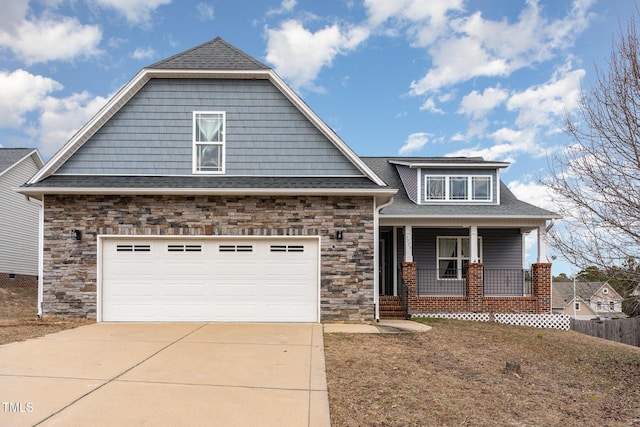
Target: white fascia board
[(324, 128), (92, 126), (444, 165), (38, 192)]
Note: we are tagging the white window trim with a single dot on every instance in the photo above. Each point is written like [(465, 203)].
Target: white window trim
[(222, 144), (447, 185), (459, 258)]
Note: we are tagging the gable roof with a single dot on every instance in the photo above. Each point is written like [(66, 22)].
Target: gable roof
[(197, 63), (403, 207), (215, 54), (563, 291), (10, 157)]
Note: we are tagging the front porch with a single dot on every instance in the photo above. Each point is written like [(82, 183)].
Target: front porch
[(456, 270)]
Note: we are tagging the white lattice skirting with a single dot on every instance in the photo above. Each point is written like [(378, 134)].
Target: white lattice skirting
[(550, 321)]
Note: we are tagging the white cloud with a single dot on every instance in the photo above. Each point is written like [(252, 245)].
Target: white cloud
[(425, 20), (477, 104), (135, 11), (22, 92), (48, 40), (27, 98), (205, 12), (473, 46), (546, 104), (299, 55), (286, 6), (430, 105), (13, 12), (62, 117), (414, 143), (508, 143), (143, 53), (532, 192)]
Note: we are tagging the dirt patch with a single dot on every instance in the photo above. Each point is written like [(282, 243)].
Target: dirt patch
[(455, 375), (19, 316)]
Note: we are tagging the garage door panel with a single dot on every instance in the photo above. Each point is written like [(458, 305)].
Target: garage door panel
[(217, 279), (183, 291), (290, 312), (237, 291), (182, 311)]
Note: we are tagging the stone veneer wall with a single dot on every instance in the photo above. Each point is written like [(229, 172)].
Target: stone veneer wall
[(70, 265)]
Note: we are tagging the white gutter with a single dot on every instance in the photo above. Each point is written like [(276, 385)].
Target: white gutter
[(376, 254), (40, 205)]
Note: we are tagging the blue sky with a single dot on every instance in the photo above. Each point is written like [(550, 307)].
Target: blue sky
[(490, 78)]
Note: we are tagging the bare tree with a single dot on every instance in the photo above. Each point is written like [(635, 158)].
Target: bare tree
[(596, 180)]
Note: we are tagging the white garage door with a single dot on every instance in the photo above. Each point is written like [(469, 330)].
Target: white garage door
[(239, 280)]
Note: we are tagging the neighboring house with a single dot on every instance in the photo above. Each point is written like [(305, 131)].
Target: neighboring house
[(18, 218), (592, 300), (206, 189)]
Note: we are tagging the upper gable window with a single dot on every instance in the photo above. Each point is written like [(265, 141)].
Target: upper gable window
[(458, 188), (209, 142)]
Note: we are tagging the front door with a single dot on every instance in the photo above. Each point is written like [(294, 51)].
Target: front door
[(386, 262)]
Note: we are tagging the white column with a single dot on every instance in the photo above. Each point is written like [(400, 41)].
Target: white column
[(408, 243), (473, 243), (542, 244)]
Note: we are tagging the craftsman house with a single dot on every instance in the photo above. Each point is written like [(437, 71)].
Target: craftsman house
[(206, 189), (593, 300)]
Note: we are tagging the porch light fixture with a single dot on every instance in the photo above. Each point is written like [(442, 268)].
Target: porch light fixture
[(77, 234), (339, 235)]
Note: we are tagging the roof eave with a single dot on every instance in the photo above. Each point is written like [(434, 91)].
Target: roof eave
[(38, 192), (450, 165)]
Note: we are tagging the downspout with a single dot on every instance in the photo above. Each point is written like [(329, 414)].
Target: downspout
[(376, 254), (40, 205)]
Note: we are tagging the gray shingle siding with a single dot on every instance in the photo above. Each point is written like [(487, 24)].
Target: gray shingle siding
[(501, 248), (265, 133), (409, 180)]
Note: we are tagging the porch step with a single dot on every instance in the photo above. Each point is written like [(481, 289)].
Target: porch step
[(391, 308)]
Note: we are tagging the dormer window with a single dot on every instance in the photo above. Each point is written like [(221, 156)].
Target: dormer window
[(453, 188), (208, 142)]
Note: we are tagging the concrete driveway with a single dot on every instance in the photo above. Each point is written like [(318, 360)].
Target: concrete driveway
[(169, 374)]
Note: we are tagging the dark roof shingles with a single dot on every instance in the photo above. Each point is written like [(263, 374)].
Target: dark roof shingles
[(9, 156), (215, 54), (204, 182)]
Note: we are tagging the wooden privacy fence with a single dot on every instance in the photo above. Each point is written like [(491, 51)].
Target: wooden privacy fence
[(626, 331)]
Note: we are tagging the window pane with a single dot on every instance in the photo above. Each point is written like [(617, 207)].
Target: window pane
[(209, 128), (434, 188), (448, 248), (466, 250), (448, 269), (209, 158), (458, 188), (481, 187)]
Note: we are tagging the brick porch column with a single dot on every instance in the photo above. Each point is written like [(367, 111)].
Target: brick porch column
[(541, 283), (474, 287), (410, 280)]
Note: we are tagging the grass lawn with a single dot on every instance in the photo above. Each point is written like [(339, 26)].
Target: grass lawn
[(454, 375), (18, 316)]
